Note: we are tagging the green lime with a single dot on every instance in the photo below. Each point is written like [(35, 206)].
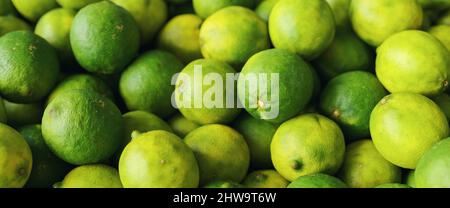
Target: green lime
[(15, 160), (158, 159), (364, 167), (294, 25), (404, 126), (140, 121), (54, 27), (146, 83), (318, 180), (346, 53), (206, 107), (112, 39), (258, 135), (393, 185), (223, 184), (233, 35), (349, 99), (441, 32), (264, 8), (29, 67), (3, 117), (33, 10), (443, 101), (265, 179), (205, 8), (23, 114), (375, 21), (47, 168), (12, 23), (180, 36), (411, 179), (150, 16), (221, 152), (268, 82), (403, 63), (181, 125), (81, 82), (307, 144), (82, 127), (433, 169), (91, 176), (340, 10), (75, 4), (7, 8)]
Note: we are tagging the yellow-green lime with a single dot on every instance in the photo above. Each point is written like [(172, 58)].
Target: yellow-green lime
[(340, 10), (12, 23), (265, 179), (158, 159), (91, 176), (181, 125), (220, 156), (264, 8), (364, 167), (205, 8), (441, 32), (180, 36), (318, 180), (433, 169), (33, 10), (375, 21), (404, 126), (75, 4), (16, 159), (307, 144)]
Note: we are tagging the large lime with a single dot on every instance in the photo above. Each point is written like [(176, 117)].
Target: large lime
[(404, 126)]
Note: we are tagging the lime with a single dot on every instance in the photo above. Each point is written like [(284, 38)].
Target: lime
[(364, 167), (91, 176), (265, 179), (433, 169), (158, 159), (146, 83), (75, 4), (264, 8), (150, 16), (349, 99), (140, 121), (211, 105), (393, 185), (294, 25), (23, 114), (54, 27), (318, 180), (33, 10), (340, 10), (81, 82), (11, 23), (307, 144), (221, 152), (205, 8), (7, 8), (112, 39), (405, 125), (267, 98), (180, 36), (82, 127), (374, 21), (443, 101), (441, 32), (346, 53), (223, 184), (258, 135), (181, 125), (29, 67), (15, 160), (233, 35), (404, 64), (47, 168)]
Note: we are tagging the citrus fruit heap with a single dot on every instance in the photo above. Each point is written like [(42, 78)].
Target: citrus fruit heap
[(225, 93)]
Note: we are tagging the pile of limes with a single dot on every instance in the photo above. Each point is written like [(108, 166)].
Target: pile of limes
[(137, 93)]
